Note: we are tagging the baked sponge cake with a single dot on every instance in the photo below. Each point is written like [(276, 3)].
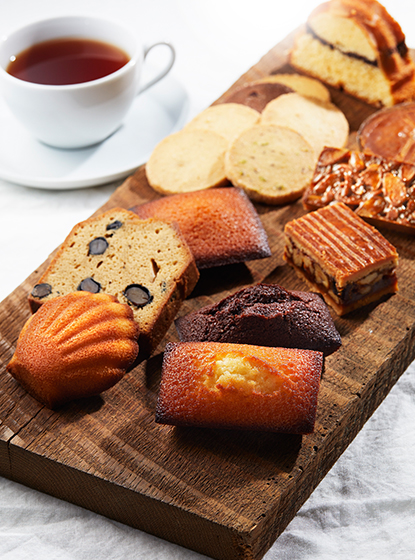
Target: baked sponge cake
[(221, 225), (238, 386), (145, 264), (75, 346), (357, 46), (264, 315)]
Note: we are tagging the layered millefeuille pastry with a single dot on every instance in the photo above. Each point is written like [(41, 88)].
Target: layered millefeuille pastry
[(342, 257), (380, 190)]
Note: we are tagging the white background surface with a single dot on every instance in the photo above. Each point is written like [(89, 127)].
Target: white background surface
[(365, 507)]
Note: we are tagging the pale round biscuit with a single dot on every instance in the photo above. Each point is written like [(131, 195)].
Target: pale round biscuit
[(189, 160), (304, 85), (226, 119), (273, 164), (256, 96), (321, 124)]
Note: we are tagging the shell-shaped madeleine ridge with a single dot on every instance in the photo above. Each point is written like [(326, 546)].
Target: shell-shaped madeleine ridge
[(106, 322), (75, 346), (102, 353), (88, 324), (80, 311)]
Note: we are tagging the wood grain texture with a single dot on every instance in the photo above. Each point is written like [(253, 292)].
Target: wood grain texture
[(226, 494)]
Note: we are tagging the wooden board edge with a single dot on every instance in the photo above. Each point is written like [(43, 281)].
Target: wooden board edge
[(125, 506), (244, 545)]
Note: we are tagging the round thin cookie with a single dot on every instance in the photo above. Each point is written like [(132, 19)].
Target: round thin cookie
[(322, 124), (189, 160), (273, 164), (256, 96), (226, 119), (304, 85), (390, 133)]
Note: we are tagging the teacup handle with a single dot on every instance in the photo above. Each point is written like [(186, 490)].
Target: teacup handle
[(163, 72)]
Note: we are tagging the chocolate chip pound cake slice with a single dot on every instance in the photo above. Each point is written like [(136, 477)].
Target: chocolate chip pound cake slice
[(357, 46), (145, 264), (342, 257)]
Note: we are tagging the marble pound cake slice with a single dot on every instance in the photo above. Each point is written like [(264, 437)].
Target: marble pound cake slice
[(357, 46), (145, 264), (239, 386), (342, 257)]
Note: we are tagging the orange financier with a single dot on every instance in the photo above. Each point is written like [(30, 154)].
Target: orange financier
[(239, 386)]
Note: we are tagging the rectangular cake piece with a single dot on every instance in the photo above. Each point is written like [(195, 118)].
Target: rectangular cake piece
[(379, 190), (221, 225), (342, 257), (356, 46), (264, 315), (239, 386), (145, 264)]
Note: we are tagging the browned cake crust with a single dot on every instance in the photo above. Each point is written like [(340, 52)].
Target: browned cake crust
[(239, 386), (75, 346), (382, 45), (341, 256), (385, 32), (145, 264), (221, 226), (380, 191), (264, 315), (390, 133)]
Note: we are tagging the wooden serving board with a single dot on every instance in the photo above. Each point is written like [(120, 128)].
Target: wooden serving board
[(226, 494)]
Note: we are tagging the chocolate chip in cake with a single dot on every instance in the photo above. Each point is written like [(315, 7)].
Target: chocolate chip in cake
[(41, 290), (98, 246), (138, 295), (114, 225), (89, 285)]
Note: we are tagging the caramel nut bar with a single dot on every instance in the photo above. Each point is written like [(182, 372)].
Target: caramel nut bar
[(379, 190), (342, 257)]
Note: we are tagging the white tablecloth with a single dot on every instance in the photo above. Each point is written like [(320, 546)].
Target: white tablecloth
[(365, 506)]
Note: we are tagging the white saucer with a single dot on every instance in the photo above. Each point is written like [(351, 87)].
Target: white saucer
[(155, 113)]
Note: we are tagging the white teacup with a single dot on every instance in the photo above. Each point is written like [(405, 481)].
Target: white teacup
[(83, 114)]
